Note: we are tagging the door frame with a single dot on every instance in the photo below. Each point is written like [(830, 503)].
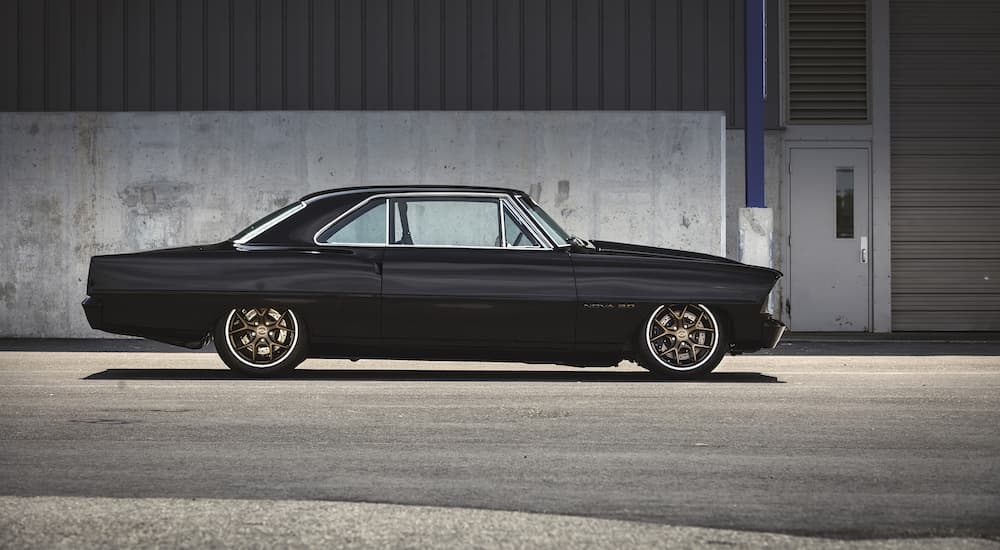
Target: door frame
[(877, 253)]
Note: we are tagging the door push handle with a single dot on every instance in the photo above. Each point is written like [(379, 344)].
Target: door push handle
[(864, 250)]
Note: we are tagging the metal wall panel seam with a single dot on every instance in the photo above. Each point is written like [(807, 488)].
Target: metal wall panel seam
[(72, 58), (284, 55), (520, 57), (468, 54), (336, 54), (600, 55), (628, 55), (204, 54), (19, 65), (232, 55), (652, 55), (496, 59), (416, 55), (45, 55), (680, 54), (364, 55), (444, 66), (704, 61), (388, 65), (548, 54), (152, 53), (311, 62)]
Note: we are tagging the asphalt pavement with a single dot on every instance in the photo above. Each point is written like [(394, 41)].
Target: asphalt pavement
[(899, 445)]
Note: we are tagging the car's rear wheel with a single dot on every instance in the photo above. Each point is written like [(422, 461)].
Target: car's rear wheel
[(682, 341), (261, 341)]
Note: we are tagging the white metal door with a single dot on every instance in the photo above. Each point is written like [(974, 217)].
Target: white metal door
[(829, 258)]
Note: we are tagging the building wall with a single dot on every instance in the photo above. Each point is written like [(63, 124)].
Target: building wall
[(190, 55), (76, 185), (774, 174), (945, 165)]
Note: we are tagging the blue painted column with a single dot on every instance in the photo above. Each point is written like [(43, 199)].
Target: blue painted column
[(753, 50)]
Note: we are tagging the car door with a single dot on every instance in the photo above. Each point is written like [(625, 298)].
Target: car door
[(348, 318), (465, 272)]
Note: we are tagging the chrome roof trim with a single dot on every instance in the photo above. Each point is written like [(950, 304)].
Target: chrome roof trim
[(264, 227), (391, 189), (514, 207)]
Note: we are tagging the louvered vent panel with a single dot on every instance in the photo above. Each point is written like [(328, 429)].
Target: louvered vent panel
[(827, 61)]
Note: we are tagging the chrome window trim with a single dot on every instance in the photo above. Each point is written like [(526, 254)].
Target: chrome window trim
[(350, 211), (552, 239), (257, 232), (505, 207), (514, 207), (503, 230)]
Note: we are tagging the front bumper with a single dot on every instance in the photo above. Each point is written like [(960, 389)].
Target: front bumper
[(771, 331)]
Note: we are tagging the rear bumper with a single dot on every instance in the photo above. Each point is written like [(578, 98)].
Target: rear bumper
[(92, 308), (771, 331)]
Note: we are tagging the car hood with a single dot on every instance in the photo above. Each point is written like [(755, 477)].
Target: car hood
[(626, 249)]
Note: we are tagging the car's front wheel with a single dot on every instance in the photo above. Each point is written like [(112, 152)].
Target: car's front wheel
[(682, 341), (261, 341)]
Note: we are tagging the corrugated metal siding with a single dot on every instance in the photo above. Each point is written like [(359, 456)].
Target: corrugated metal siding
[(828, 61), (945, 165), (113, 55)]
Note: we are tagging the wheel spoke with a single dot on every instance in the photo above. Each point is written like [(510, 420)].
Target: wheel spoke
[(280, 318), (693, 350), (247, 345), (667, 350), (660, 335), (243, 321)]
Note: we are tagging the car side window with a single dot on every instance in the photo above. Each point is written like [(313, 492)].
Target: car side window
[(437, 221), (516, 234), (364, 226)]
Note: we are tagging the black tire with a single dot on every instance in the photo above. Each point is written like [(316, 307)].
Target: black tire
[(242, 332), (682, 341)]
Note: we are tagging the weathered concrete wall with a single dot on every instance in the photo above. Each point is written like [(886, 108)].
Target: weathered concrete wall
[(75, 185), (736, 199)]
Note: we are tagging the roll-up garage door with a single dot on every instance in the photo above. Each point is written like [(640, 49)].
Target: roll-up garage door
[(945, 125)]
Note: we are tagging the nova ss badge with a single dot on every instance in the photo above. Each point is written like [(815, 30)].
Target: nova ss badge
[(599, 305)]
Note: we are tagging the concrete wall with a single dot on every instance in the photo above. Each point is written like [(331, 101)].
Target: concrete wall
[(77, 184), (774, 172)]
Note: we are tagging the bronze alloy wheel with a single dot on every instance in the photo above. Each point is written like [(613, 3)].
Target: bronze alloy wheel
[(261, 337), (682, 337)]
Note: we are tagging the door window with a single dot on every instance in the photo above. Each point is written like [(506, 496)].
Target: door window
[(469, 222), (845, 203)]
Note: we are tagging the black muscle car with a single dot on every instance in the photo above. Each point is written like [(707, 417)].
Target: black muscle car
[(465, 273)]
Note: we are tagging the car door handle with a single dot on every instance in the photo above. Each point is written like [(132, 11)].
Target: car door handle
[(864, 250)]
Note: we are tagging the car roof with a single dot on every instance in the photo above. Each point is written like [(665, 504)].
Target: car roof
[(372, 189)]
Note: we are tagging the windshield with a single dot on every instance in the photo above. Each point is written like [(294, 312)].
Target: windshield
[(266, 222), (552, 229)]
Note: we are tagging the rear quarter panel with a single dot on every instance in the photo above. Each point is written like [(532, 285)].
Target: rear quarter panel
[(173, 295)]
